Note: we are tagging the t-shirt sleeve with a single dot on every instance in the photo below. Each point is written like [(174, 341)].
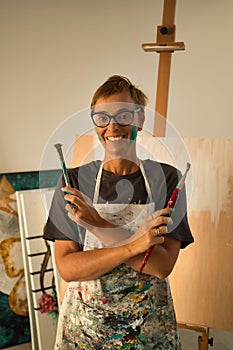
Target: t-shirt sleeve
[(163, 179), (59, 226), (180, 228)]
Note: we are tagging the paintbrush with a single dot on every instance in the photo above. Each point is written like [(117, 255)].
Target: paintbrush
[(171, 203), (58, 147)]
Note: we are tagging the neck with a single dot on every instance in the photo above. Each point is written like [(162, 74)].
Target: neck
[(121, 166)]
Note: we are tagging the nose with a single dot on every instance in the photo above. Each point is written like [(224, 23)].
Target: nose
[(113, 125)]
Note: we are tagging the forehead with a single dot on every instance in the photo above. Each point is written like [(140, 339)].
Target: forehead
[(115, 102)]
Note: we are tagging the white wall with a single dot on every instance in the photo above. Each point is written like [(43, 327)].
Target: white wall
[(54, 53)]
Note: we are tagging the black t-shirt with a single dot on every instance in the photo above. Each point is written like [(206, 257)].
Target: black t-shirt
[(117, 189), (120, 189)]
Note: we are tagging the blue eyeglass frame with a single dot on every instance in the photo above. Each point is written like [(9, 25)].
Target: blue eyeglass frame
[(114, 116)]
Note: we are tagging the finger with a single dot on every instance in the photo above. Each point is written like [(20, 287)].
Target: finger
[(78, 195), (70, 190), (74, 209), (161, 212), (73, 199), (158, 231), (155, 214), (71, 202), (163, 220), (71, 208), (159, 240), (69, 198), (166, 211), (74, 192)]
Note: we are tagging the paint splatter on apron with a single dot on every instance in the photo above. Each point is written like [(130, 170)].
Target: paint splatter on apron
[(122, 309)]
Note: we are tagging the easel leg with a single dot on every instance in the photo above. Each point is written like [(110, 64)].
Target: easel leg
[(203, 340)]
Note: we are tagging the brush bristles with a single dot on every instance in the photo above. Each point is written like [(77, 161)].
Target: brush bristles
[(58, 145)]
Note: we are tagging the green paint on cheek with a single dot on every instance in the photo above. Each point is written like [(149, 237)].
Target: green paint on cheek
[(133, 133), (99, 138)]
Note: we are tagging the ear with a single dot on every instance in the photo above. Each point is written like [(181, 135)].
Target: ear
[(140, 120)]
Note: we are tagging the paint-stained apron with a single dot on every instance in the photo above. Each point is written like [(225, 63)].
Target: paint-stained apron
[(122, 309)]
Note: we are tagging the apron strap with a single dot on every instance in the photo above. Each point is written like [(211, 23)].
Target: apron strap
[(98, 181)]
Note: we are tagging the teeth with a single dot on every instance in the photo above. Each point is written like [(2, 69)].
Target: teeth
[(115, 138)]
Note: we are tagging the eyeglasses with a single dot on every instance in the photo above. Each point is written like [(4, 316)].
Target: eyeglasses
[(123, 118)]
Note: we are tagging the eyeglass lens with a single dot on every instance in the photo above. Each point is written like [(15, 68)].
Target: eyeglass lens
[(122, 118)]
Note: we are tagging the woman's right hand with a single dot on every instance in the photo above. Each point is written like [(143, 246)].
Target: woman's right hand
[(150, 232)]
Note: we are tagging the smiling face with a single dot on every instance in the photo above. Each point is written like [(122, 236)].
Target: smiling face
[(118, 140)]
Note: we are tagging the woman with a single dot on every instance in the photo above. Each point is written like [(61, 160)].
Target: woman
[(119, 205)]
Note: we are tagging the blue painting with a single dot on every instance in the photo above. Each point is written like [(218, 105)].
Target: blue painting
[(14, 315)]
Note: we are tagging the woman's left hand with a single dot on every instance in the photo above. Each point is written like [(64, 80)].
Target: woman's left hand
[(81, 210)]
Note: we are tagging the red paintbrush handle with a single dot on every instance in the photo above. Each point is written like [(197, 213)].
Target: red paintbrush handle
[(146, 257), (171, 203)]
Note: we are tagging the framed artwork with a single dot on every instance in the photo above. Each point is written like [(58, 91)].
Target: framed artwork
[(14, 317)]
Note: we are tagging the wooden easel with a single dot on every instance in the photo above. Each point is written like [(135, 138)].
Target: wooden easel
[(165, 46), (203, 339)]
